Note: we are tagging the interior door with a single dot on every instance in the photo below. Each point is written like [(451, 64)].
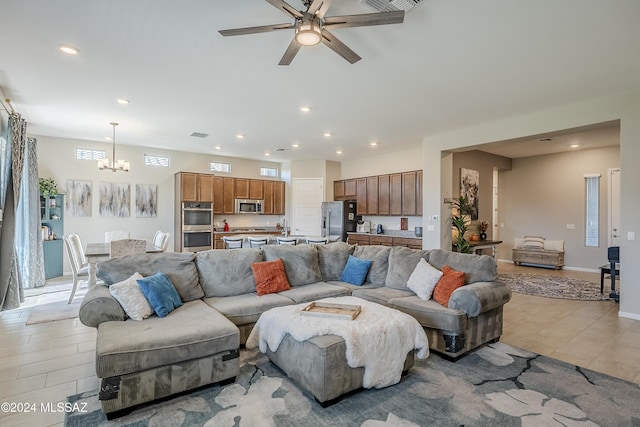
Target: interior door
[(614, 207), (307, 206)]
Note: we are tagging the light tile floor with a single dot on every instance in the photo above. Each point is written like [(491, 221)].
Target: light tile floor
[(47, 362)]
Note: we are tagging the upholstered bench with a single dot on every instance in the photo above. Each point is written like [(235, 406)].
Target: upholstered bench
[(319, 366), (142, 361)]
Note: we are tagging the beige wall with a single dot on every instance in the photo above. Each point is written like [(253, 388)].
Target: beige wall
[(545, 196), (623, 107), (56, 159)]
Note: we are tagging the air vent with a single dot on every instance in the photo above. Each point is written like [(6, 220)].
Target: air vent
[(392, 5), (199, 135), (279, 149)]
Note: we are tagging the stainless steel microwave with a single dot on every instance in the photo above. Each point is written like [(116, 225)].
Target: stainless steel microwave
[(249, 206)]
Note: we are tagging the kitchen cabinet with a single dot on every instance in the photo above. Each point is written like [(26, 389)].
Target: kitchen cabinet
[(267, 207), (249, 188), (383, 195), (381, 240), (241, 189), (350, 188), (195, 187), (338, 190), (256, 189), (278, 198), (344, 189), (395, 194), (361, 196), (228, 196), (51, 232), (384, 240), (358, 239), (218, 194), (372, 195), (409, 193), (419, 193)]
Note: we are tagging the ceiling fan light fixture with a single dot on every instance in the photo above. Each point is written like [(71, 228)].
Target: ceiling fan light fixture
[(308, 33)]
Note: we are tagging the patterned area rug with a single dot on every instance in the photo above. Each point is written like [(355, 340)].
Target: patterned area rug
[(498, 385), (555, 286)]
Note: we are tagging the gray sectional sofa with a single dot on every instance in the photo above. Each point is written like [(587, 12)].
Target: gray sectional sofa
[(198, 343)]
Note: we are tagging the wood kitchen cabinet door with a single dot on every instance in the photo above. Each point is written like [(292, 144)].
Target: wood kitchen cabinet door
[(361, 196), (409, 193), (189, 187), (395, 194), (338, 190), (241, 188), (228, 195), (372, 195), (383, 195), (218, 194), (350, 188), (267, 189), (256, 189), (419, 193), (205, 188), (278, 198)]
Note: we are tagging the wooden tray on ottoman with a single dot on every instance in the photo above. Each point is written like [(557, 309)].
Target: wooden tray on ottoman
[(331, 310)]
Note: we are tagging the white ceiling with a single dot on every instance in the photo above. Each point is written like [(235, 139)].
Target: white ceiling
[(453, 63)]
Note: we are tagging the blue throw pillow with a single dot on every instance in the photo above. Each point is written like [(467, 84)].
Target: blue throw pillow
[(355, 271), (160, 293)]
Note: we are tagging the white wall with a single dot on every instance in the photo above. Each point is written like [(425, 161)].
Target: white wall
[(56, 159), (623, 107)]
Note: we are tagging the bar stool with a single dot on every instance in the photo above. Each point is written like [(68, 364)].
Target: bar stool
[(317, 240), (287, 240), (257, 242), (232, 242)]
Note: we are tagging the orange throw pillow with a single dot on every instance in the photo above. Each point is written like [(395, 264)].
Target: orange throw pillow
[(270, 277), (449, 282)]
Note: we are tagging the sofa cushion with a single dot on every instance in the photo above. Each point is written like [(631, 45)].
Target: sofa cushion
[(430, 314), (247, 308), (189, 332), (350, 287), (314, 291), (160, 293), (424, 279), (270, 277), (300, 262), (355, 271), (402, 263), (381, 295), (449, 282), (379, 255), (332, 258), (179, 267), (477, 268), (225, 273), (131, 298)]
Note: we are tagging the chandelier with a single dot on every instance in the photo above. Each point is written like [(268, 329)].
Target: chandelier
[(114, 166)]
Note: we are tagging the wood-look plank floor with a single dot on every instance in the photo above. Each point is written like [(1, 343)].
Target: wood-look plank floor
[(48, 362)]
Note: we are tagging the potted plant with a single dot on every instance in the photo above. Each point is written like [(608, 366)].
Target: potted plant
[(460, 220), (48, 188)]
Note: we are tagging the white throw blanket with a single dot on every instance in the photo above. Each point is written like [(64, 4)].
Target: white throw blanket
[(379, 339)]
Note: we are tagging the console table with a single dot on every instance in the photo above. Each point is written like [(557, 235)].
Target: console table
[(485, 244)]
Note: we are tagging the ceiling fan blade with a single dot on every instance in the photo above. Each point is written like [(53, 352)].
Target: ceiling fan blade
[(319, 7), (254, 30), (290, 53), (365, 19), (285, 8), (338, 47)]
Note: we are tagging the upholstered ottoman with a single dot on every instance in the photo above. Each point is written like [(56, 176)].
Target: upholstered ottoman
[(319, 366), (140, 361)]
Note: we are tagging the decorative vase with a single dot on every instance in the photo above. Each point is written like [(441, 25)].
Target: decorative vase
[(483, 236)]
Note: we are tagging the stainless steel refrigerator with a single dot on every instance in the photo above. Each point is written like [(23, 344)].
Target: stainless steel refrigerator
[(338, 218)]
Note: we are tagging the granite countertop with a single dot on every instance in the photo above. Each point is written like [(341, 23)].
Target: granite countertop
[(392, 233), (245, 230)]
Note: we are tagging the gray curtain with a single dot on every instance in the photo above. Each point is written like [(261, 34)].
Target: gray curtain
[(21, 261)]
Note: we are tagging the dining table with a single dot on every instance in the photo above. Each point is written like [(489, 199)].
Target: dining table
[(100, 251)]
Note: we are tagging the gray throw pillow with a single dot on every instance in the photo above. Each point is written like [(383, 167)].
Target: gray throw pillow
[(402, 262), (300, 262), (332, 258), (379, 255), (226, 273), (477, 268)]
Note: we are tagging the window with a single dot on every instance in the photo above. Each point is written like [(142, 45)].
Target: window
[(152, 160), (269, 171), (90, 154), (220, 167), (592, 207)]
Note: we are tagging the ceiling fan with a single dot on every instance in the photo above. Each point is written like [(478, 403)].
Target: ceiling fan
[(312, 27)]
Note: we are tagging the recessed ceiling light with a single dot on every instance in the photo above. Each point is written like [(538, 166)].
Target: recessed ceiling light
[(217, 147), (108, 138), (68, 49), (267, 154), (240, 136), (295, 145), (327, 134), (305, 109), (575, 145), (339, 152), (373, 143), (123, 101)]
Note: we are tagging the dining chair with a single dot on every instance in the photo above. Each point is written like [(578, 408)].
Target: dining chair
[(115, 235), (317, 240), (257, 242), (287, 240), (161, 240), (77, 260), (120, 248), (232, 242)]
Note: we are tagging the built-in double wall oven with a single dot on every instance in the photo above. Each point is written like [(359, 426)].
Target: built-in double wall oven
[(197, 226)]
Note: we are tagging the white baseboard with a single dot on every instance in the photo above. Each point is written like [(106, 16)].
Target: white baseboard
[(626, 315)]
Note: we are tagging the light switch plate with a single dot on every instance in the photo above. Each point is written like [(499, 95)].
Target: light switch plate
[(631, 235)]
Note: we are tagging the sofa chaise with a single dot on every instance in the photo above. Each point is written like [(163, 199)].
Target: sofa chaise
[(198, 343)]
